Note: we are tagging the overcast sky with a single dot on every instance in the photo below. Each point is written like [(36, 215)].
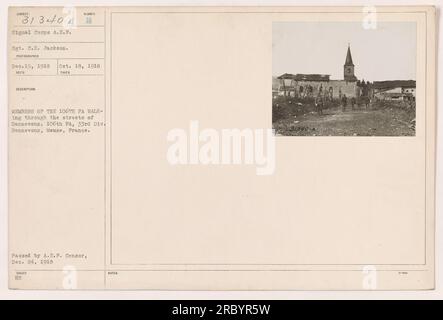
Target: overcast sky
[(386, 53)]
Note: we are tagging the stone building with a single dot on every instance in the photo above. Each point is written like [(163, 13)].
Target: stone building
[(394, 90), (312, 85)]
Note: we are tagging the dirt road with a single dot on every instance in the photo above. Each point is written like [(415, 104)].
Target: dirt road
[(361, 122)]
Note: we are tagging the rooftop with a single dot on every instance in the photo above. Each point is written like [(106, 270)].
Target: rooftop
[(305, 77), (389, 84)]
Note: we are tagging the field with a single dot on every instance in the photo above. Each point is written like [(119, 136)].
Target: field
[(292, 117)]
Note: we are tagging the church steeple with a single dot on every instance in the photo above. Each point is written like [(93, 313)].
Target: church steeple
[(348, 68), (348, 61)]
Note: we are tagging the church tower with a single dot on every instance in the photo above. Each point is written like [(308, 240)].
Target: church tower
[(348, 68)]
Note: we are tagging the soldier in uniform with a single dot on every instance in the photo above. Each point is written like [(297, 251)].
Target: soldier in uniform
[(367, 101), (344, 101), (319, 104), (353, 102)]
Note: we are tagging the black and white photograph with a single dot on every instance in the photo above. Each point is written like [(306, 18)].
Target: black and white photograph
[(342, 79), (144, 156)]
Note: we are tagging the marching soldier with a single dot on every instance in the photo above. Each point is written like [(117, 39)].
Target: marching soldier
[(344, 101), (353, 102), (319, 104), (367, 101)]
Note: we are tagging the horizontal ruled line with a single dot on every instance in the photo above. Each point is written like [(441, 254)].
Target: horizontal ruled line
[(56, 75), (37, 58), (73, 27), (224, 270), (58, 42)]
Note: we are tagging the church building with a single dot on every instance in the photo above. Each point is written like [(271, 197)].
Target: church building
[(312, 85)]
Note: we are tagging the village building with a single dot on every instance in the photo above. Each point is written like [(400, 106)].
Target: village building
[(312, 85), (394, 90)]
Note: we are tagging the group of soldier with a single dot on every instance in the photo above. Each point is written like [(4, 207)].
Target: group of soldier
[(320, 102)]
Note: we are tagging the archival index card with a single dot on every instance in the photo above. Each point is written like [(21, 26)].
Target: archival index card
[(222, 148)]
